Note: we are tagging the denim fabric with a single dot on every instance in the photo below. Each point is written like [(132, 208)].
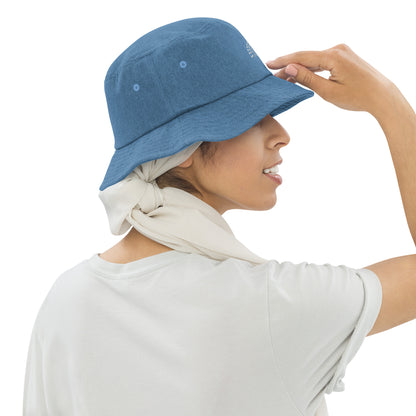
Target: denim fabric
[(190, 80)]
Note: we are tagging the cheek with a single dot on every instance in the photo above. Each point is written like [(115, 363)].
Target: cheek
[(247, 179), (247, 166), (234, 172)]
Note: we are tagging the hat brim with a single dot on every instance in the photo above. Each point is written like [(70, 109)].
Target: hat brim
[(219, 120)]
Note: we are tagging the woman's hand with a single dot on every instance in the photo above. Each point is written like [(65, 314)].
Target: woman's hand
[(353, 84)]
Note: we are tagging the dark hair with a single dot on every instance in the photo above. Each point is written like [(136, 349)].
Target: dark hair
[(173, 177)]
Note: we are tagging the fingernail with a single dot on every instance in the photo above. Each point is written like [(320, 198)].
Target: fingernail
[(291, 70), (269, 62)]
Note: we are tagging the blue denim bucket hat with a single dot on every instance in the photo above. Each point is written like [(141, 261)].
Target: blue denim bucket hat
[(196, 79)]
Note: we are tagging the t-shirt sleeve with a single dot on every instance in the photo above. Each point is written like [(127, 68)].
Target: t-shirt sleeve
[(319, 317), (34, 394), (34, 402)]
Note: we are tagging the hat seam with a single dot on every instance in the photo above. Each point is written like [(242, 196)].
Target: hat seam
[(159, 82), (192, 109), (133, 59)]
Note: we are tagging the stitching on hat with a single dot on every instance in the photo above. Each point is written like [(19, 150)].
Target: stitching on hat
[(159, 83), (192, 109), (134, 60)]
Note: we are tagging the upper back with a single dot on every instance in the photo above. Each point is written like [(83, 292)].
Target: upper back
[(187, 334)]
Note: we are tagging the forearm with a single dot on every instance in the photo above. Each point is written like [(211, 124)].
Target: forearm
[(398, 121)]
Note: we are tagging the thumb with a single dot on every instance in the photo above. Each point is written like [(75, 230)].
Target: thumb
[(305, 77)]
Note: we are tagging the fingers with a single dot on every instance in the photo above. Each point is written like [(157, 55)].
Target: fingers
[(283, 74), (309, 79), (306, 63), (313, 60), (351, 82)]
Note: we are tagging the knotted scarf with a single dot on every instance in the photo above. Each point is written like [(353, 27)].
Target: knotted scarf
[(171, 216)]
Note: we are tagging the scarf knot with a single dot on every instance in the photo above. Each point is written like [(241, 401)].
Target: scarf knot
[(149, 195), (171, 216)]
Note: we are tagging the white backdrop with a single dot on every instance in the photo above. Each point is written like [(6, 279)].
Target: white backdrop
[(339, 202)]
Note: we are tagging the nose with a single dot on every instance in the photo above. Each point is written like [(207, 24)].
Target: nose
[(278, 135), (284, 138), (279, 138)]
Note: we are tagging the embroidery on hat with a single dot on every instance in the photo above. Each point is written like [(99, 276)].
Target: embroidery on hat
[(250, 50), (182, 64), (136, 87)]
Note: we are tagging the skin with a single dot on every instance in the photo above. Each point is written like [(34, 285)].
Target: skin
[(233, 179)]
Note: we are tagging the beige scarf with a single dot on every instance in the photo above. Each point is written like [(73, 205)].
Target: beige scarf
[(171, 216)]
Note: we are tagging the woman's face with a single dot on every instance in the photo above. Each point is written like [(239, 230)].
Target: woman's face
[(234, 178)]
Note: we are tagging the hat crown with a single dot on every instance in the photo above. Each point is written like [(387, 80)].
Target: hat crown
[(174, 69)]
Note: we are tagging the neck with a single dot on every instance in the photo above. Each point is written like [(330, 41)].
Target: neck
[(135, 241)]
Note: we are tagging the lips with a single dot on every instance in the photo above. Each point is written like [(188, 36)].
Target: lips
[(275, 178)]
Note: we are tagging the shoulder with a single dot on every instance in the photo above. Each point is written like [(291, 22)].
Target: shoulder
[(64, 296)]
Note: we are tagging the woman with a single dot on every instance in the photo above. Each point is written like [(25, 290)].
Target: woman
[(179, 317)]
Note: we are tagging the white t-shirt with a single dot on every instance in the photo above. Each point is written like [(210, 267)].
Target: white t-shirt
[(181, 334)]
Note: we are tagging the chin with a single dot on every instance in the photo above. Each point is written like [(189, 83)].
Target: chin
[(265, 205), (268, 207)]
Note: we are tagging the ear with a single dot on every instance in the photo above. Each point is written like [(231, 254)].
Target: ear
[(188, 162)]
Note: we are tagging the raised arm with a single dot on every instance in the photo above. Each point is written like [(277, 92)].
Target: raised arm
[(398, 121), (356, 85), (398, 275)]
